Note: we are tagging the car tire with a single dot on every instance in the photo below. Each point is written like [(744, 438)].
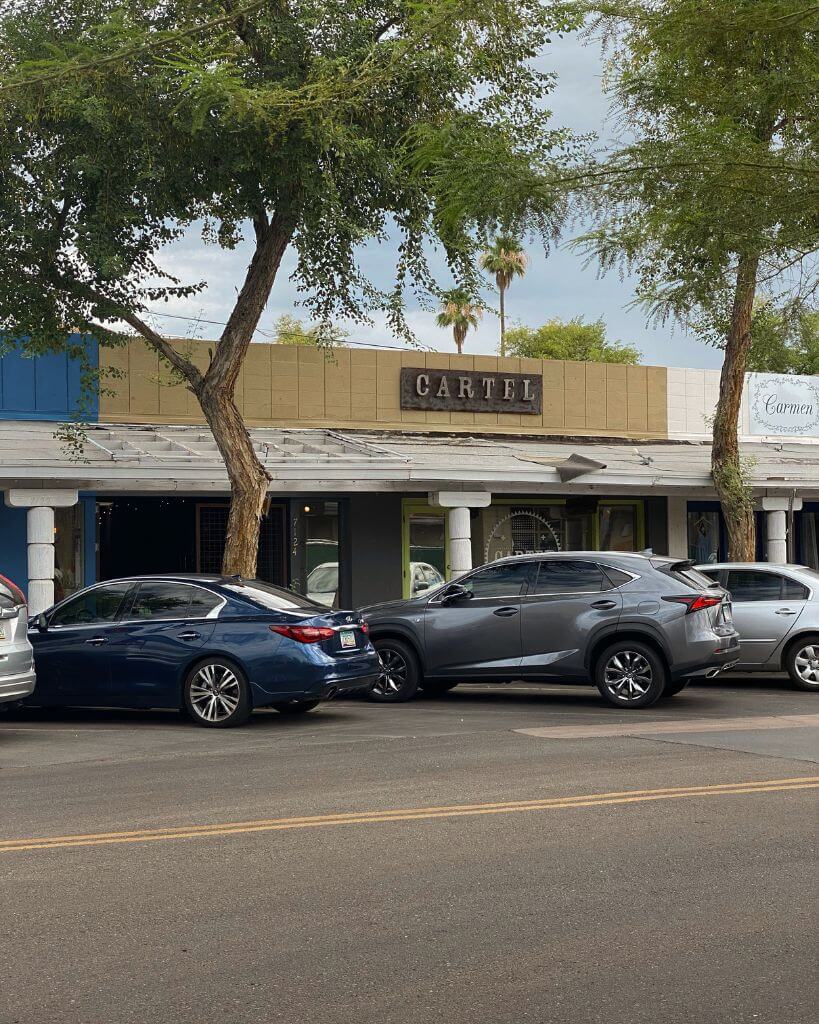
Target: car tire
[(296, 707), (216, 694), (630, 674), (437, 688), (802, 663), (400, 675), (672, 689)]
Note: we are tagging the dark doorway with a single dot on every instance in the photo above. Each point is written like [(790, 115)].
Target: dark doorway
[(139, 536)]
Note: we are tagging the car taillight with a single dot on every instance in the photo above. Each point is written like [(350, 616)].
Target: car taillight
[(17, 594), (364, 627), (304, 634), (695, 602)]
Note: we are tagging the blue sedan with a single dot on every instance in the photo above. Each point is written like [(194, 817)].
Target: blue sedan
[(216, 646)]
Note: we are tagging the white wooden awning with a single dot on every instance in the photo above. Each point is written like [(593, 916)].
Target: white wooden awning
[(120, 458)]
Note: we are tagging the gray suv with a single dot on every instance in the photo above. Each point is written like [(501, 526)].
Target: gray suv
[(638, 626)]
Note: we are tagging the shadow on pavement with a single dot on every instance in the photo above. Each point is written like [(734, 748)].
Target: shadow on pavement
[(263, 718)]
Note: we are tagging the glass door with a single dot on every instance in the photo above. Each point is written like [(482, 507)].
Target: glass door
[(621, 526), (425, 548)]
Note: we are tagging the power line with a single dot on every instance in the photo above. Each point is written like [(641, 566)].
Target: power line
[(272, 336)]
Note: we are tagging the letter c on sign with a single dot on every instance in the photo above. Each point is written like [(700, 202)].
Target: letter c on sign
[(422, 384)]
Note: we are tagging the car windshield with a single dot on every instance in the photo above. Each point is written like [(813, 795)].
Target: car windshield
[(276, 598), (323, 578)]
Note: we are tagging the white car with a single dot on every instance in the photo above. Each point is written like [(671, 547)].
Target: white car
[(322, 583), (17, 676)]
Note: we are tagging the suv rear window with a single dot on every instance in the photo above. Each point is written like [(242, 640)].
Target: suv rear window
[(685, 574)]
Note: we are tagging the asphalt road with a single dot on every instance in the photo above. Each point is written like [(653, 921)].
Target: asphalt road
[(502, 856)]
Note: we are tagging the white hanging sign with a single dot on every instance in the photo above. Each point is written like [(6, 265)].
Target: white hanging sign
[(783, 405)]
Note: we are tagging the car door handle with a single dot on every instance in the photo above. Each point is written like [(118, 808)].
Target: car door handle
[(95, 641), (187, 636), (604, 604), (505, 612), (785, 611)]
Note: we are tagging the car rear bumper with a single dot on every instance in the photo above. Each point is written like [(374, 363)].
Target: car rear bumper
[(326, 689), (712, 658), (17, 686)]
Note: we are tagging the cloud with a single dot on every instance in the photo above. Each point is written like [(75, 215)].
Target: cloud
[(555, 285)]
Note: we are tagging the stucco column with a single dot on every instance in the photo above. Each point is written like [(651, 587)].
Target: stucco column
[(459, 527), (40, 539), (776, 510), (777, 537), (40, 504), (678, 527), (460, 541)]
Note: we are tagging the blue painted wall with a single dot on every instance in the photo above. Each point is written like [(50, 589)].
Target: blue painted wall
[(44, 387)]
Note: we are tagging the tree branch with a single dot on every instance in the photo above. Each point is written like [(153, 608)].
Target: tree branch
[(251, 301), (182, 365)]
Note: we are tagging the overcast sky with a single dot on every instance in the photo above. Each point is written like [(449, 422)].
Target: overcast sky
[(556, 285)]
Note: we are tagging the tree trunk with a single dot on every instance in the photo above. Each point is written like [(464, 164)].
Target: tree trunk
[(736, 501), (216, 386), (502, 291), (248, 480)]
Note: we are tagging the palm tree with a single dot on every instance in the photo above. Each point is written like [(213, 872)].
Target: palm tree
[(460, 312), (507, 260)]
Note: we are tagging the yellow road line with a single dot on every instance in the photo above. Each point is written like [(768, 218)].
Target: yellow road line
[(406, 814)]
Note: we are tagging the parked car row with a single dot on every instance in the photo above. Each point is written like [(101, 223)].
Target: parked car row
[(639, 627)]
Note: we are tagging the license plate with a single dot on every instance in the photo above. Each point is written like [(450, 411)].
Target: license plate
[(347, 638)]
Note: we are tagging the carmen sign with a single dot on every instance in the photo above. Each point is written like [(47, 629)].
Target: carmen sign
[(784, 405), (471, 391)]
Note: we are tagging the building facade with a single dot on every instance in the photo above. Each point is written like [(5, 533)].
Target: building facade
[(389, 470)]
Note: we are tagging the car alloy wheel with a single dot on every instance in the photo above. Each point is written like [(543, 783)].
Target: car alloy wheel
[(628, 676), (216, 694), (399, 676), (806, 666), (393, 675)]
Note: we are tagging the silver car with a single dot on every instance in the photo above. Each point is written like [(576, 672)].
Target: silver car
[(776, 612), (16, 656)]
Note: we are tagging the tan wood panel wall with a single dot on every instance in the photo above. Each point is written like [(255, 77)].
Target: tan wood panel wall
[(295, 386)]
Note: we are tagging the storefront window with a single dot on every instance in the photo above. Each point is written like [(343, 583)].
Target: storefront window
[(211, 531), (427, 552), (576, 524), (703, 535), (522, 530), (68, 550), (320, 531)]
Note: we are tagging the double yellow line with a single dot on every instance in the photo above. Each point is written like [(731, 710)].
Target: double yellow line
[(150, 835)]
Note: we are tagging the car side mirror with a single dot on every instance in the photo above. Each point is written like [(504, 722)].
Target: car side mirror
[(42, 622), (455, 592), (421, 585)]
